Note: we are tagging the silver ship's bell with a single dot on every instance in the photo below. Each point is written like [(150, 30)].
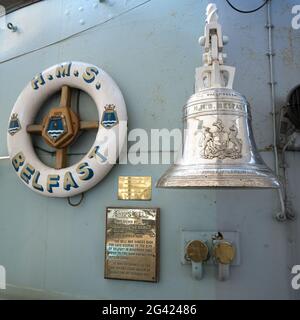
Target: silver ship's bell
[(219, 148)]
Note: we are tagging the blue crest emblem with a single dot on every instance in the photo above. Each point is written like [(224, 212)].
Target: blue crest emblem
[(109, 117), (55, 128), (14, 124)]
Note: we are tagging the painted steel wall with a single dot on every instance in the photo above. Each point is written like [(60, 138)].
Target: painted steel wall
[(53, 250)]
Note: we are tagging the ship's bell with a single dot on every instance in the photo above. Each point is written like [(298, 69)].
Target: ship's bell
[(219, 148)]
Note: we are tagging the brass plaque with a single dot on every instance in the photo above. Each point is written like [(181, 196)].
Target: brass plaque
[(135, 188), (132, 244)]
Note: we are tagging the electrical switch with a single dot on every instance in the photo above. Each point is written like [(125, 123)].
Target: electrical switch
[(197, 253)]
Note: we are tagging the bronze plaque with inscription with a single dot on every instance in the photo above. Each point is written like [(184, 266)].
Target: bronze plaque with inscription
[(132, 244), (134, 188)]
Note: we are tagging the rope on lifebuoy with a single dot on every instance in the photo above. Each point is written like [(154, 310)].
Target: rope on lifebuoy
[(78, 203)]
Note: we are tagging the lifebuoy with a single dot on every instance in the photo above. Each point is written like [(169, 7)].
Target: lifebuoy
[(59, 127)]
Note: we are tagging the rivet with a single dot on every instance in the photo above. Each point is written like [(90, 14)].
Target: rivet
[(12, 27)]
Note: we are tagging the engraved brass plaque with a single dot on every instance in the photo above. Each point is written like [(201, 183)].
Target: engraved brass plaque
[(132, 244), (135, 188)]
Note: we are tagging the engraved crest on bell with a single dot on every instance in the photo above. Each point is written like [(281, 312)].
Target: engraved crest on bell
[(217, 142)]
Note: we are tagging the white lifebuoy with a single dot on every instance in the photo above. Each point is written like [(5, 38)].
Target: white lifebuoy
[(109, 140)]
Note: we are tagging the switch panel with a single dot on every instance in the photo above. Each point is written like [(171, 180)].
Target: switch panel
[(209, 237)]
